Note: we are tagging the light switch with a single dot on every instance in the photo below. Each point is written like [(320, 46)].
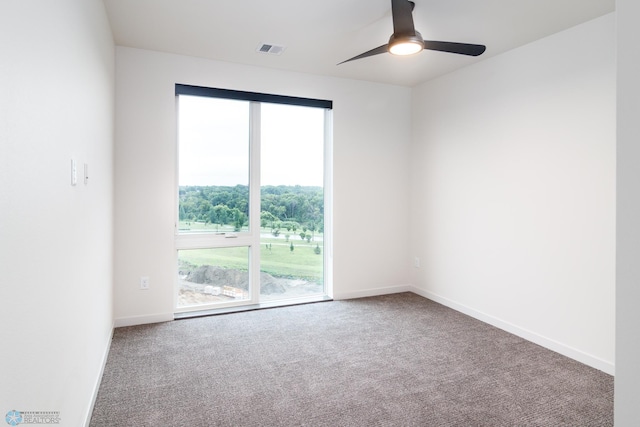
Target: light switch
[(74, 172), (86, 174)]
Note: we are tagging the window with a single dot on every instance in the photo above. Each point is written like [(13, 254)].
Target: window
[(253, 211)]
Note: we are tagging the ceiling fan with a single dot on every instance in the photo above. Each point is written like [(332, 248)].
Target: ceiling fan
[(405, 40)]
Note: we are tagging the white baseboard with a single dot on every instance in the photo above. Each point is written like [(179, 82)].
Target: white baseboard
[(96, 387), (143, 320), (558, 347), (372, 292)]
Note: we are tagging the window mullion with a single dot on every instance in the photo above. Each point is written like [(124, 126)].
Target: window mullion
[(254, 199)]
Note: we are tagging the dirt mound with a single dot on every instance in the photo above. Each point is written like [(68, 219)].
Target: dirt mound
[(211, 275)]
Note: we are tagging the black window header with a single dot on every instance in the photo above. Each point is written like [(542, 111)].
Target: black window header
[(251, 96)]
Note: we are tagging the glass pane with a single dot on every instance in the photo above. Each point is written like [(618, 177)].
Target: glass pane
[(210, 276), (292, 202), (213, 141)]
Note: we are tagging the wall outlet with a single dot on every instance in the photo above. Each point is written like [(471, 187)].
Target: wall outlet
[(416, 262), (144, 282)]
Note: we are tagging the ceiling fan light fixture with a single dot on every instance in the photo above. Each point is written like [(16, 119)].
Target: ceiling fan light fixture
[(406, 45)]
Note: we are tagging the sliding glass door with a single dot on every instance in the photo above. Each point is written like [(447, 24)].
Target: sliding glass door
[(251, 217)]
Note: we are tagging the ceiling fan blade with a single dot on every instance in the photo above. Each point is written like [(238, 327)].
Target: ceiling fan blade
[(380, 49), (402, 18), (451, 47)]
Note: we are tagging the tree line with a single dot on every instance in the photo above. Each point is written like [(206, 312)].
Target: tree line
[(282, 207)]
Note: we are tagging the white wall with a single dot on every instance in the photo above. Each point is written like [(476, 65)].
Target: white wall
[(56, 103), (371, 143), (627, 397), (513, 190)]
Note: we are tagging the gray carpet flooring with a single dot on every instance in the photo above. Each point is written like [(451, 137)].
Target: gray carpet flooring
[(393, 360)]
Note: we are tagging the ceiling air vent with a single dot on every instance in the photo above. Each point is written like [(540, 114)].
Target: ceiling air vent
[(270, 48)]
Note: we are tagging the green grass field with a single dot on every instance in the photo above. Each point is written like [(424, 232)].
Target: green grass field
[(278, 261)]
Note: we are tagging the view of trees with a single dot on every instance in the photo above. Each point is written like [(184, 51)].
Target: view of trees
[(287, 209)]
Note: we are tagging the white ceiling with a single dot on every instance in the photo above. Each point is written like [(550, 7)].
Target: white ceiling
[(318, 34)]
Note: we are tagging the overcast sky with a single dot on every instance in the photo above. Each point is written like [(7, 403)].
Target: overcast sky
[(214, 143)]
